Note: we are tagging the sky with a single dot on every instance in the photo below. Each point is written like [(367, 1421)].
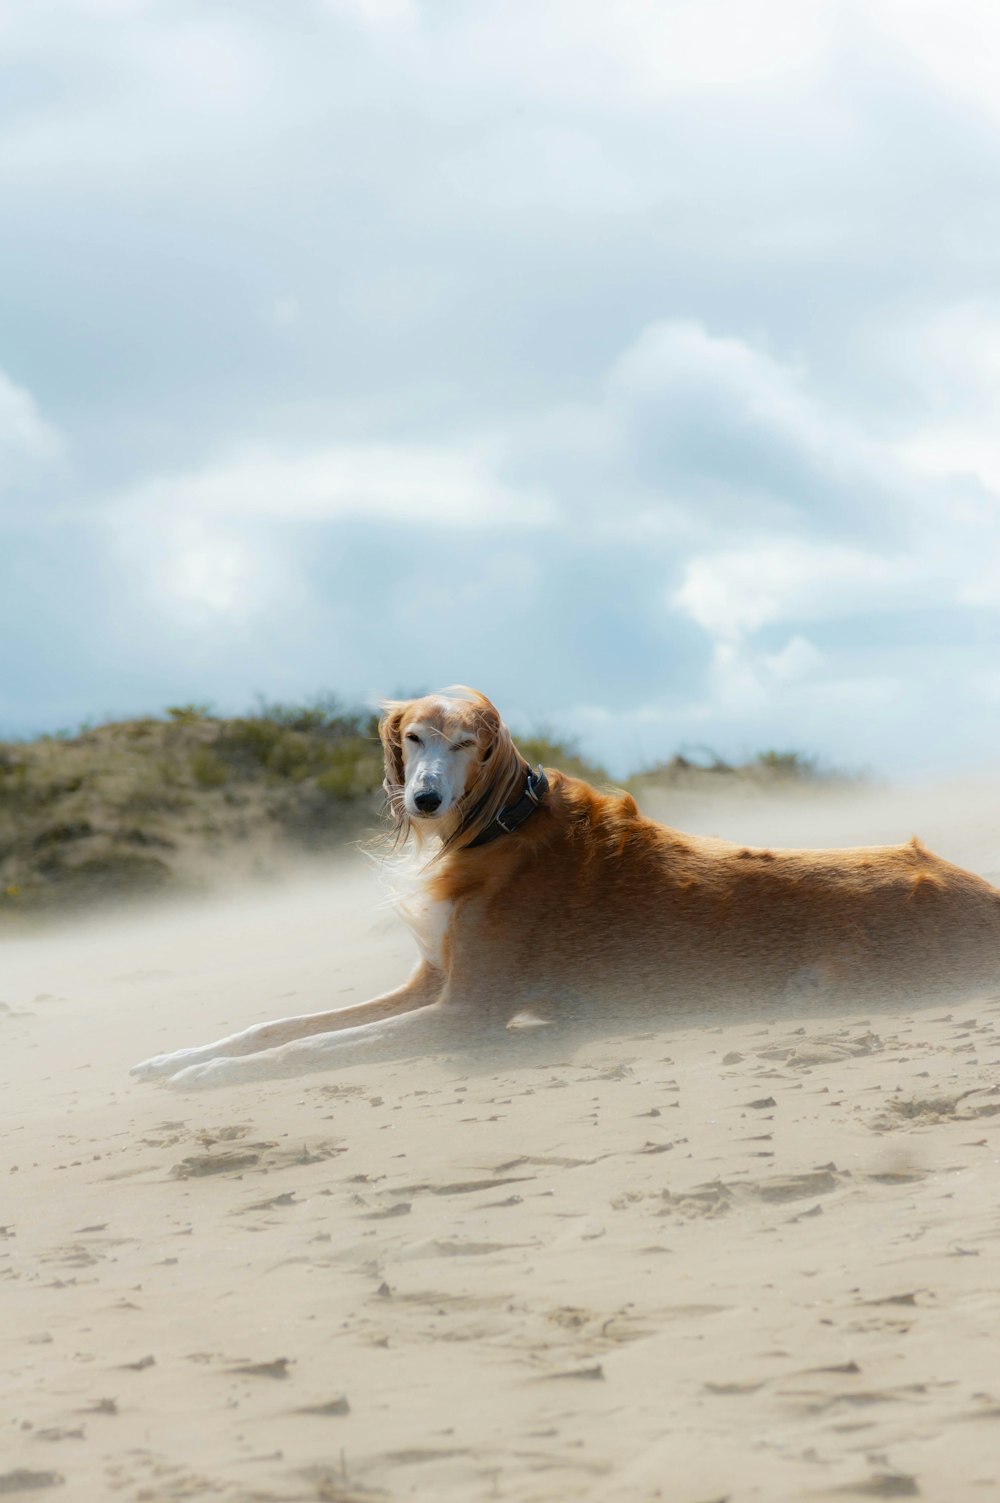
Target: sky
[(638, 365)]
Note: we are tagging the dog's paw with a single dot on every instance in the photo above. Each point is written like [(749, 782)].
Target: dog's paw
[(209, 1074), (162, 1066)]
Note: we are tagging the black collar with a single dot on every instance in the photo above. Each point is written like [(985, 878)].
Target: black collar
[(514, 815)]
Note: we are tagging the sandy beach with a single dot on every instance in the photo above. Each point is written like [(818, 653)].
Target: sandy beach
[(737, 1257)]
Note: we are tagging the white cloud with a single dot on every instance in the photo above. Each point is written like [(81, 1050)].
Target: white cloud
[(733, 594), (731, 427), (951, 362), (798, 659), (29, 446), (956, 43), (693, 436), (226, 541), (415, 485), (144, 86), (205, 568), (744, 678), (960, 452), (375, 12), (636, 52), (951, 356)]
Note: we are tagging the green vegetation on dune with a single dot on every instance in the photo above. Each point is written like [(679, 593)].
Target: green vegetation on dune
[(137, 807), (704, 765), (134, 807)]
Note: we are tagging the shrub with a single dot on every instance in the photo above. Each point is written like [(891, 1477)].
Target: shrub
[(322, 716), (356, 771), (248, 743), (65, 830), (208, 769), (787, 764), (187, 714), (294, 755)]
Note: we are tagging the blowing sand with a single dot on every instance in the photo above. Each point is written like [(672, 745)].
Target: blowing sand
[(735, 1258)]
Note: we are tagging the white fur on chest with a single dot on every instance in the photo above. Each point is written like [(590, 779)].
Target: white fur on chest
[(426, 917), (429, 922)]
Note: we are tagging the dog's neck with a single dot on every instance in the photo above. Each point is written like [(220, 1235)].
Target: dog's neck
[(513, 815)]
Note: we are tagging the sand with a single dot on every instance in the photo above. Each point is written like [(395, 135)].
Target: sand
[(733, 1258)]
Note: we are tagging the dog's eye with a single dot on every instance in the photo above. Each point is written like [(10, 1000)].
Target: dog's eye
[(463, 745), (412, 736)]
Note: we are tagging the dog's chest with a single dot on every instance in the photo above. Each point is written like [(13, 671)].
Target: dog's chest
[(430, 928), (429, 920)]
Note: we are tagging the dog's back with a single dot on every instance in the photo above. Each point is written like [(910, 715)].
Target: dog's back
[(594, 900)]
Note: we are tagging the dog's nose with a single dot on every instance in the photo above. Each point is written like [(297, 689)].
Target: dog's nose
[(427, 801)]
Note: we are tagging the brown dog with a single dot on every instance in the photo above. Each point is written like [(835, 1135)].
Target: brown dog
[(541, 899)]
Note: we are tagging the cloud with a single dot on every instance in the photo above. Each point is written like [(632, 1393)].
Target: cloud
[(797, 660), (636, 55), (418, 486), (728, 427), (605, 539), (30, 447), (639, 362), (130, 86), (375, 12), (693, 438), (683, 422), (231, 541), (733, 594), (953, 370), (953, 44)]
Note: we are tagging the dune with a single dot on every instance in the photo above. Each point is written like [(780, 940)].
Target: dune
[(738, 1257)]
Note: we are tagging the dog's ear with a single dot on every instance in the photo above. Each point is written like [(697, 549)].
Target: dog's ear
[(489, 722), (500, 761), (390, 733)]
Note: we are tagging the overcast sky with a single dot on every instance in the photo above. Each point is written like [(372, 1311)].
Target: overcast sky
[(638, 364)]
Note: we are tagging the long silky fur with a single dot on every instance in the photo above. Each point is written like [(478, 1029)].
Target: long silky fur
[(499, 779)]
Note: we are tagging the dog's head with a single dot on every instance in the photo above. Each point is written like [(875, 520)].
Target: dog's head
[(450, 764)]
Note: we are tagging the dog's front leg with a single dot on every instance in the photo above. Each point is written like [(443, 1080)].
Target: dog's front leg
[(423, 988), (435, 1030)]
